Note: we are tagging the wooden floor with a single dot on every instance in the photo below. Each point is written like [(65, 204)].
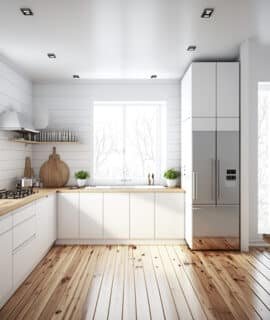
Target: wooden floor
[(144, 282)]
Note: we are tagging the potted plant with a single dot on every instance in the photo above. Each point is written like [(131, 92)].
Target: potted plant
[(171, 177), (81, 177)]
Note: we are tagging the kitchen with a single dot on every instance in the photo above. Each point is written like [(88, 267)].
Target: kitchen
[(127, 176)]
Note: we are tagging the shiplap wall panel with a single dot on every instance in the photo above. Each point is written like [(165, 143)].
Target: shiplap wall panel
[(69, 106), (16, 92)]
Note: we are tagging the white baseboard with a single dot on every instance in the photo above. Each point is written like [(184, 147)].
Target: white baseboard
[(259, 243), (120, 242)]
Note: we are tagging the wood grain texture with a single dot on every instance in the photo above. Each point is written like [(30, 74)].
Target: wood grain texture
[(144, 282), (54, 173)]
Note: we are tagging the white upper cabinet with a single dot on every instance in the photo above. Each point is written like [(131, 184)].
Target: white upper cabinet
[(91, 215), (186, 95), (116, 215), (203, 89), (68, 215), (142, 215), (228, 89), (210, 89)]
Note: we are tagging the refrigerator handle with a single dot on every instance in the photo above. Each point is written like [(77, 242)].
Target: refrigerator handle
[(213, 184), (218, 179), (194, 185)]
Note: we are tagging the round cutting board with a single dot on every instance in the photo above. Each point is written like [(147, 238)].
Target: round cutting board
[(54, 172)]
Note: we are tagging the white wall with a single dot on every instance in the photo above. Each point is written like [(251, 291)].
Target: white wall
[(255, 67), (68, 105), (15, 91)]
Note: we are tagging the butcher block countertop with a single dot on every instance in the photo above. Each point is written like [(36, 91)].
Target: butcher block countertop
[(8, 205)]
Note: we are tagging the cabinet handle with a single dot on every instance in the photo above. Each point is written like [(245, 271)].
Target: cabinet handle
[(22, 245)]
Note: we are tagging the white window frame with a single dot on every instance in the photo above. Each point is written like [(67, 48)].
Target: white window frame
[(161, 135)]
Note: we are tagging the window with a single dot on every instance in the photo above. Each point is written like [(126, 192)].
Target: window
[(129, 141), (264, 158)]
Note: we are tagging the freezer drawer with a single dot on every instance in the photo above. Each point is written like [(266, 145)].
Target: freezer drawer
[(215, 227)]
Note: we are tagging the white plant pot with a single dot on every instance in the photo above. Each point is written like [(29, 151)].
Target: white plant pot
[(81, 182), (171, 183)]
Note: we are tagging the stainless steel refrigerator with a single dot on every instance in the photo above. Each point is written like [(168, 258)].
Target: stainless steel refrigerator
[(215, 188)]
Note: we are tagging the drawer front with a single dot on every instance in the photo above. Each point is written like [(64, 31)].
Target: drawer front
[(23, 214), (5, 224), (23, 232), (24, 261), (5, 267)]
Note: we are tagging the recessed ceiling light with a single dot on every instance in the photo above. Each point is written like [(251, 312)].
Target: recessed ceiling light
[(76, 76), (26, 11), (153, 76), (191, 48), (207, 13), (52, 55)]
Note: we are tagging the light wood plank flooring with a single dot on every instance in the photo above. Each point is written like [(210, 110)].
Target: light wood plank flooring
[(144, 282)]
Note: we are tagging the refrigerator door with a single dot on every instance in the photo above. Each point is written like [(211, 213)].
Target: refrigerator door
[(227, 162), (203, 175)]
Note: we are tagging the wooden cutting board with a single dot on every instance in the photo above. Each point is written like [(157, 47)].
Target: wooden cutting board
[(28, 170), (54, 172)]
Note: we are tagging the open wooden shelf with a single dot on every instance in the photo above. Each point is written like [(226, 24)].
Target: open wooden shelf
[(44, 142)]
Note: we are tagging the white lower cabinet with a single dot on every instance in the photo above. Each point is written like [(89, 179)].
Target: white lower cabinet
[(24, 261), (68, 215), (142, 215), (6, 259), (116, 215), (169, 215), (46, 224), (52, 217), (91, 215)]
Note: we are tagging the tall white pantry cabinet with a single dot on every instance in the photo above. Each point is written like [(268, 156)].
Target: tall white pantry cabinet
[(210, 107)]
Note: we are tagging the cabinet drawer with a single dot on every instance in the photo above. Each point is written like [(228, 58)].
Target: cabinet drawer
[(5, 224), (24, 261), (23, 232), (23, 214)]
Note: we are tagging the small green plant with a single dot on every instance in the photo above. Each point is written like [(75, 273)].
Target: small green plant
[(171, 174), (82, 175)]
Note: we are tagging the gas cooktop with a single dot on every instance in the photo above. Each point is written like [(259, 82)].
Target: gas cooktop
[(19, 193)]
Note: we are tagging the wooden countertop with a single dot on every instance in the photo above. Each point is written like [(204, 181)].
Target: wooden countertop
[(115, 189), (8, 205)]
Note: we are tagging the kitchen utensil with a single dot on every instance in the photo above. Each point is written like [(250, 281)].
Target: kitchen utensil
[(28, 171)]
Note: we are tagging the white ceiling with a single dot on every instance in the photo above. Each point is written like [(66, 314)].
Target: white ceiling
[(121, 38)]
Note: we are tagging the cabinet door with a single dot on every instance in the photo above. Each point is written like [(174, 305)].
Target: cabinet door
[(186, 95), (5, 266), (169, 216), (204, 89), (91, 215), (142, 215), (42, 212), (68, 216), (24, 261), (51, 201), (116, 215), (228, 89)]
